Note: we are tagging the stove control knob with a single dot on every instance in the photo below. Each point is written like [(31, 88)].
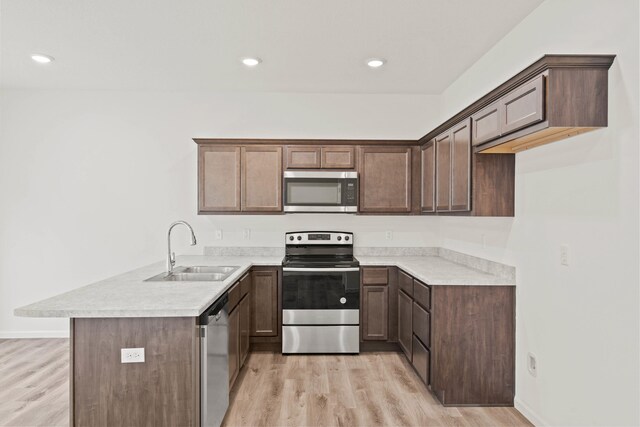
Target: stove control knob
[(346, 238), (343, 300), (290, 237), (339, 238), (299, 237)]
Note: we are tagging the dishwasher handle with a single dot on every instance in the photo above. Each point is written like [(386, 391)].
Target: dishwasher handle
[(213, 312)]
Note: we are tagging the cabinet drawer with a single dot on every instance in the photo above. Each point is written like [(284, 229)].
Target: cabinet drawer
[(375, 276), (420, 360), (485, 124), (524, 106), (245, 285), (421, 294), (235, 295), (421, 323), (337, 157), (302, 156), (405, 282)]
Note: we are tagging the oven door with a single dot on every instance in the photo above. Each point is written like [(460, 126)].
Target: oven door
[(320, 191), (327, 296)]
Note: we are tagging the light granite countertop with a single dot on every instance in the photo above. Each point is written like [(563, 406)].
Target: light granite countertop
[(437, 271), (128, 295)]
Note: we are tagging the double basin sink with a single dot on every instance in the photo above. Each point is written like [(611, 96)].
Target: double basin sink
[(195, 274)]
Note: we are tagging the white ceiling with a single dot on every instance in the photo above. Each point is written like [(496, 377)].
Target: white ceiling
[(306, 45)]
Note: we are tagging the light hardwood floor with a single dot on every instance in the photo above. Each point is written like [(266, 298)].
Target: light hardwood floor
[(371, 389)]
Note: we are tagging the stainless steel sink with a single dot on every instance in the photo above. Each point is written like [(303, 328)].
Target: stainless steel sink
[(206, 269), (195, 274)]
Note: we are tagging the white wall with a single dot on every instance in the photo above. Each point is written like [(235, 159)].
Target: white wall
[(581, 321), (90, 181)]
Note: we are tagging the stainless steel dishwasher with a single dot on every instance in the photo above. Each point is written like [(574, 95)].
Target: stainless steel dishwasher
[(214, 364)]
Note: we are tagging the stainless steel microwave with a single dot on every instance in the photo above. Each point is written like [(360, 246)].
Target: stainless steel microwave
[(320, 191)]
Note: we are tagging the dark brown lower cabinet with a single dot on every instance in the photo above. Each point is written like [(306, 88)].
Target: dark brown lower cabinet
[(234, 345), (264, 302), (473, 345), (375, 307), (405, 332), (460, 340), (162, 391), (245, 327), (420, 360)]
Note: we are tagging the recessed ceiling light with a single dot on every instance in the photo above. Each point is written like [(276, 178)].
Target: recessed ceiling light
[(375, 62), (41, 58), (251, 62)]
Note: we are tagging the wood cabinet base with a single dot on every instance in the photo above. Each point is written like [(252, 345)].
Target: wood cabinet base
[(162, 391)]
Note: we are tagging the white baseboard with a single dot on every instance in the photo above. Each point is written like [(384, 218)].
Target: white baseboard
[(34, 334), (528, 413)]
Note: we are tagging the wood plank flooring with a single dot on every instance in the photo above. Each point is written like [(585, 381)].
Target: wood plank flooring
[(34, 382), (372, 389)]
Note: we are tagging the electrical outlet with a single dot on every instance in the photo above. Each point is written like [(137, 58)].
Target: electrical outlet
[(564, 255), (218, 234), (132, 355), (389, 235), (532, 364), (246, 233)]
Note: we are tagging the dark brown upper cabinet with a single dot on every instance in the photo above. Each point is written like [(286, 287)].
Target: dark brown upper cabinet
[(461, 167), (520, 108), (261, 179), (443, 172), (302, 156), (428, 172), (338, 157), (453, 168), (239, 179), (556, 97), (317, 157), (385, 179), (219, 179)]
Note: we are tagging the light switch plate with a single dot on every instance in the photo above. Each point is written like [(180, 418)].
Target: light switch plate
[(132, 355), (218, 234)]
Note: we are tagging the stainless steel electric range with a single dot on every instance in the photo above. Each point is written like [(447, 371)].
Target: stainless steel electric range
[(320, 293)]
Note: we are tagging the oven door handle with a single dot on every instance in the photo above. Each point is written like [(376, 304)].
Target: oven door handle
[(322, 270)]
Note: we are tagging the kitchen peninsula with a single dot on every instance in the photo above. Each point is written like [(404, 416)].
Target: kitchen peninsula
[(162, 317)]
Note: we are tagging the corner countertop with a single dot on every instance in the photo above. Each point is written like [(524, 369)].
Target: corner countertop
[(128, 295), (437, 271)]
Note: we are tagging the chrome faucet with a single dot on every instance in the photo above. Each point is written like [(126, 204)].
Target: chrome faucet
[(171, 256)]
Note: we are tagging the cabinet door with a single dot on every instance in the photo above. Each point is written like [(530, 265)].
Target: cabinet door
[(218, 178), (338, 157), (385, 179), (261, 179), (302, 156), (245, 328), (523, 106), (428, 160), (405, 331), (234, 345), (461, 167), (443, 172), (375, 306), (421, 324), (264, 303), (420, 360), (486, 123)]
